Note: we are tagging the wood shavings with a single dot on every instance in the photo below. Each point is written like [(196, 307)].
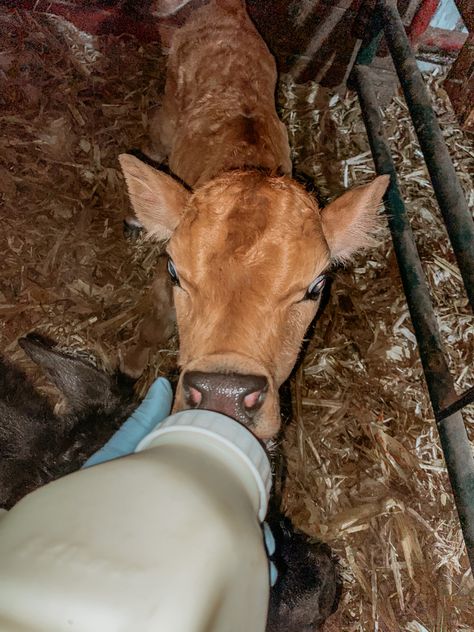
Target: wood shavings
[(67, 269), (392, 519)]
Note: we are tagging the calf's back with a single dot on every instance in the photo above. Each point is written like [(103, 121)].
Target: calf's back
[(219, 110)]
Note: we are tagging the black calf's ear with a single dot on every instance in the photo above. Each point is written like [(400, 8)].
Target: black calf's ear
[(81, 383)]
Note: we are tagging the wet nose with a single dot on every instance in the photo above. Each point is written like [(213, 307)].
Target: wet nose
[(236, 395)]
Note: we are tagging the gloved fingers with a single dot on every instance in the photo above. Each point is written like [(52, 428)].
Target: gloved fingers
[(273, 574), (154, 408)]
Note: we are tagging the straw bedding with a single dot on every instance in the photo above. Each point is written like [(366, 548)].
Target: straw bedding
[(365, 470)]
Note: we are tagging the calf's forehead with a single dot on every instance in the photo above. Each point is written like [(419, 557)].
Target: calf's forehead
[(259, 223)]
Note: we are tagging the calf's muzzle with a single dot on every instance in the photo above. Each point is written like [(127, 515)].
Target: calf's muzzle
[(233, 394)]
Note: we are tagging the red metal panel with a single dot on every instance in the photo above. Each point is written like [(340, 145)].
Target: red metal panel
[(422, 20), (442, 39)]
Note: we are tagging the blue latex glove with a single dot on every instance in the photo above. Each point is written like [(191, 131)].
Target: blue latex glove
[(154, 408)]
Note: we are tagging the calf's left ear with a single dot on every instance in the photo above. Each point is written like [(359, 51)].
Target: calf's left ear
[(350, 221)]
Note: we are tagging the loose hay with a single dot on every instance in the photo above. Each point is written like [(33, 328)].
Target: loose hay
[(70, 105), (366, 472)]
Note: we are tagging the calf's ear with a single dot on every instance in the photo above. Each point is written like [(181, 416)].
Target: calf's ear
[(349, 223), (157, 199), (84, 386)]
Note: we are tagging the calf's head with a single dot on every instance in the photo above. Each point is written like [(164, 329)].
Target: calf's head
[(248, 253)]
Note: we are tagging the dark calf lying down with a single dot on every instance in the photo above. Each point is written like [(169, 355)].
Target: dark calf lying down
[(38, 446)]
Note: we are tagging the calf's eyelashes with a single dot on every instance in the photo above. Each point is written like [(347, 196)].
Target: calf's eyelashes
[(314, 290), (173, 274)]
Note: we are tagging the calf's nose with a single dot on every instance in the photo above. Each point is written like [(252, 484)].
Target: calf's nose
[(233, 394)]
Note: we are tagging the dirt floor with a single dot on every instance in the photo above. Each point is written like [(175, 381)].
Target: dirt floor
[(365, 470)]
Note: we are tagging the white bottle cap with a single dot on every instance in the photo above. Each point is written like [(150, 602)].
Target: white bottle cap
[(229, 432)]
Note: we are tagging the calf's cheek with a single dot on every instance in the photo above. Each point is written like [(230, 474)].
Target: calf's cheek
[(293, 331), (269, 421)]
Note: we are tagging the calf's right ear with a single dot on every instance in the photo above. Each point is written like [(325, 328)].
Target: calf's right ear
[(157, 199)]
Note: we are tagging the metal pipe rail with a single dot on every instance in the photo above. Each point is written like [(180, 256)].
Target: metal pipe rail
[(448, 191), (445, 402)]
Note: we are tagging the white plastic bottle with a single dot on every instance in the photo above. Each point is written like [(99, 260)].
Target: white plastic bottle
[(165, 540)]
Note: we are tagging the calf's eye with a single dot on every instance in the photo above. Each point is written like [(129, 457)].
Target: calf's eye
[(315, 288), (172, 272)]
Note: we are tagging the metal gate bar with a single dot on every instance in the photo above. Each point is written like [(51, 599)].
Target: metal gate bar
[(450, 196), (445, 402)]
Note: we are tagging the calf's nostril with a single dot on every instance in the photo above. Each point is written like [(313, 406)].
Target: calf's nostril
[(234, 394), (254, 400), (194, 397)]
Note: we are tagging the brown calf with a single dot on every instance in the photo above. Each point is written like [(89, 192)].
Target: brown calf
[(248, 246)]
